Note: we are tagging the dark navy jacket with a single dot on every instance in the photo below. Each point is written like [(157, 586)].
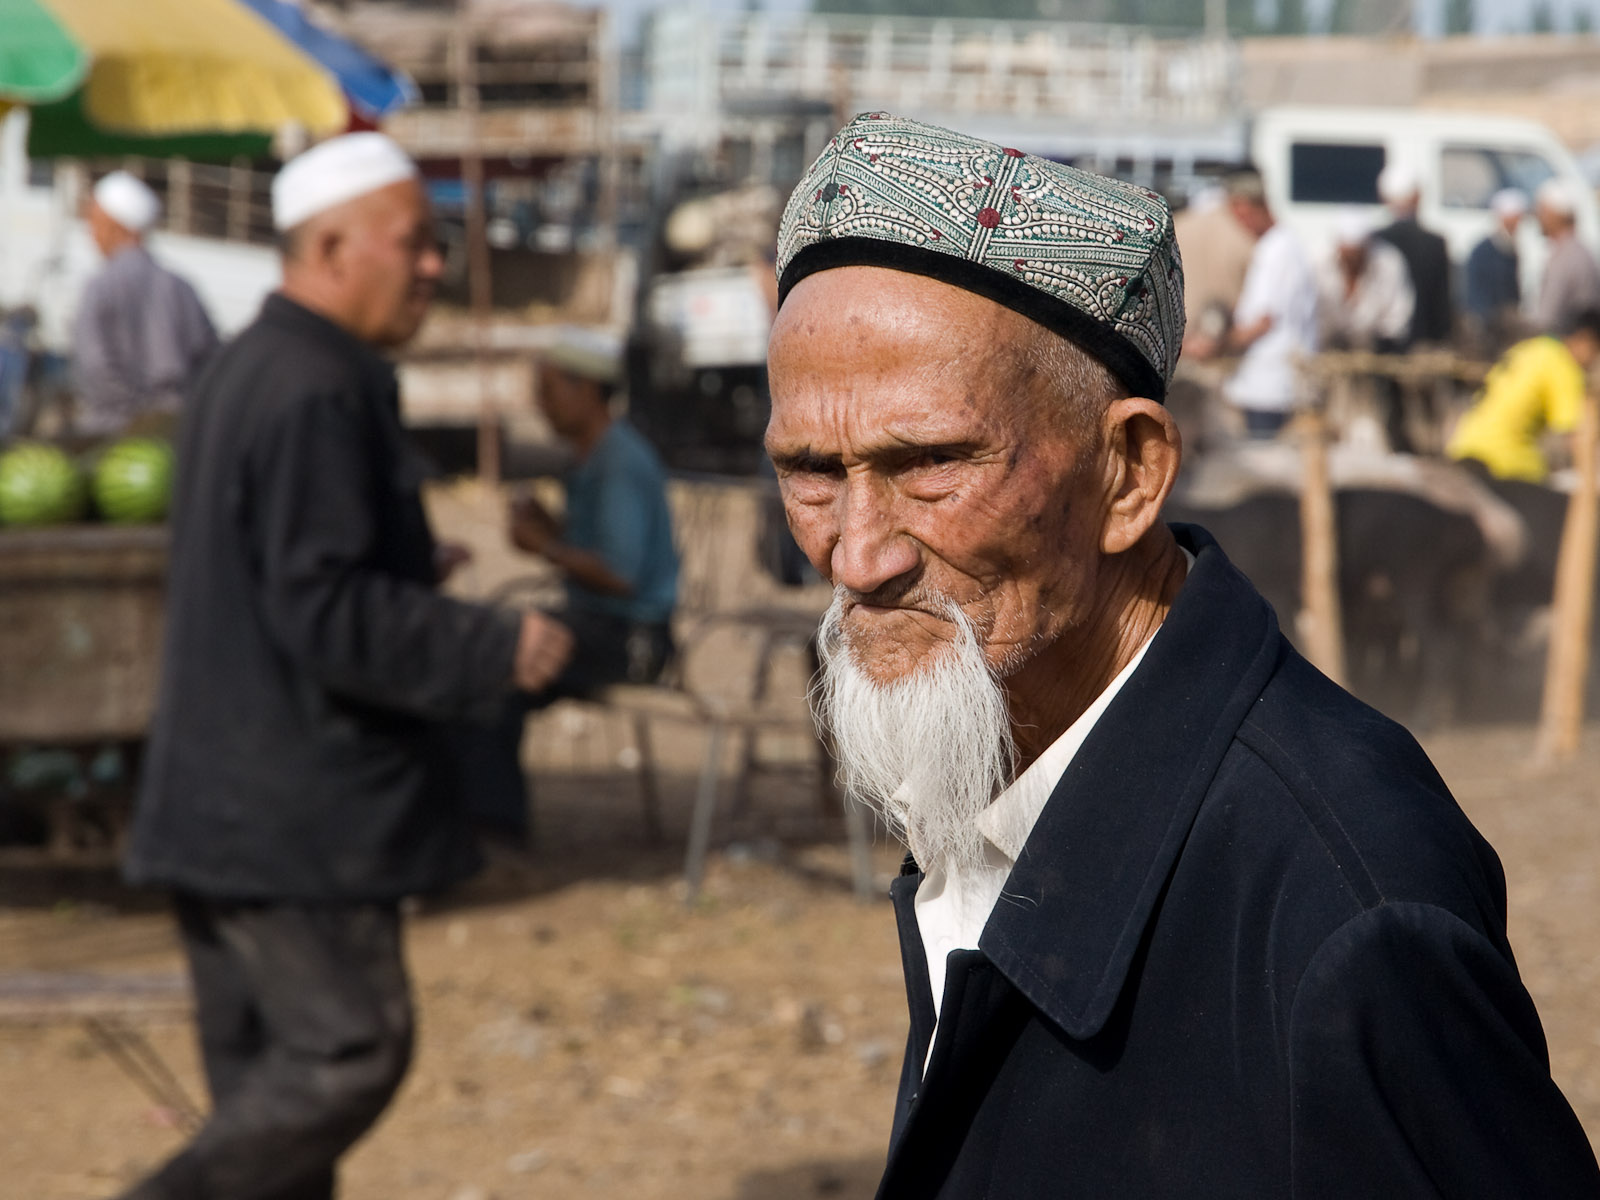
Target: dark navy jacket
[(297, 750), (1251, 949)]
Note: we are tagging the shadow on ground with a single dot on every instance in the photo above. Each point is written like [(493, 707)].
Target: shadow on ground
[(856, 1180)]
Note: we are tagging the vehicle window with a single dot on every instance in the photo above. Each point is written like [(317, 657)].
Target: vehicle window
[(1334, 173), (1523, 169), (1469, 176)]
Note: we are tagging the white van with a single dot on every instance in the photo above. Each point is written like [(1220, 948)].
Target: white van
[(1316, 162)]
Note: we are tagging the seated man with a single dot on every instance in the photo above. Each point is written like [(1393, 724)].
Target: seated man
[(1537, 386), (619, 566), (616, 551)]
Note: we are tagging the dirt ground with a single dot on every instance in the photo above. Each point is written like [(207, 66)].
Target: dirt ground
[(585, 1032)]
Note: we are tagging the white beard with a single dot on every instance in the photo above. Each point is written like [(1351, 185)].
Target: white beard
[(928, 752)]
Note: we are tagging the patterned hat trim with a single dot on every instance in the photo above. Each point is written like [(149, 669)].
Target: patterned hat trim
[(1118, 354)]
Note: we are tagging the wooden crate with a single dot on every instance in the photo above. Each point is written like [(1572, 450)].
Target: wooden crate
[(80, 632)]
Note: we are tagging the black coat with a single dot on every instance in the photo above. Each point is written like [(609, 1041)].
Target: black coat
[(1251, 949), (296, 752), (1428, 260)]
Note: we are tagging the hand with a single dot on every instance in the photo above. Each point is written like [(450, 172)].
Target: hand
[(448, 557), (531, 526), (543, 648)]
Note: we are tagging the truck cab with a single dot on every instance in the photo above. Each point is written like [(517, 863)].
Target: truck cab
[(1316, 162)]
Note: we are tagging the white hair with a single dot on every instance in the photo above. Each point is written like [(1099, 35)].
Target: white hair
[(928, 752)]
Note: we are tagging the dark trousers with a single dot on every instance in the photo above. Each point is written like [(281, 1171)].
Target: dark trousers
[(305, 1026), (606, 650)]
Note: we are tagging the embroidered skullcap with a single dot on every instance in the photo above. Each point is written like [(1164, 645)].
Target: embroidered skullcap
[(1090, 258), (127, 201), (335, 171)]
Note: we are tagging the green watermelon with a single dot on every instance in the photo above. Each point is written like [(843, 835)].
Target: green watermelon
[(133, 481), (40, 485)]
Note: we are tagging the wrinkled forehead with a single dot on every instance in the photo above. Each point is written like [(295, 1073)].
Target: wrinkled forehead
[(876, 355), (874, 317)]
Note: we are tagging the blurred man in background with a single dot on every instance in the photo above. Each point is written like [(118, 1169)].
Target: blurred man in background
[(298, 782), (618, 565), (1275, 321), (1492, 304), (1216, 257), (614, 548), (1535, 389), (1571, 282), (1367, 299), (1427, 258), (141, 333)]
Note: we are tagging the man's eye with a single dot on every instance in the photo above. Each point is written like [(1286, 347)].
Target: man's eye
[(822, 468)]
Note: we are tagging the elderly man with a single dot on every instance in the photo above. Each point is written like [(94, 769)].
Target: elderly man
[(141, 333), (1571, 283), (1427, 257), (297, 783), (1181, 917)]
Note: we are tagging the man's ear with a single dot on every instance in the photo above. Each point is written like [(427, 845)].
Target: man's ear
[(325, 247), (1143, 452)]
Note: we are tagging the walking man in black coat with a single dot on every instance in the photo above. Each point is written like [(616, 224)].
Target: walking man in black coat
[(297, 785), (1182, 918)]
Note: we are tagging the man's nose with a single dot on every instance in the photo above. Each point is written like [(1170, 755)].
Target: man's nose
[(871, 551), (431, 264)]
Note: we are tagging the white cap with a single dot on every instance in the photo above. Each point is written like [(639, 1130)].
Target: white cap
[(1397, 183), (1352, 227), (1509, 202), (588, 353), (335, 171), (127, 201), (1557, 196)]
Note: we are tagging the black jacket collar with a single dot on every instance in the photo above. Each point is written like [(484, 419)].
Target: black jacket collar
[(1081, 894), (283, 313)]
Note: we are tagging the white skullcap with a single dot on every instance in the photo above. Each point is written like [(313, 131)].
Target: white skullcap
[(1398, 182), (127, 201), (1352, 227), (592, 354), (1557, 195), (1509, 202), (334, 171)]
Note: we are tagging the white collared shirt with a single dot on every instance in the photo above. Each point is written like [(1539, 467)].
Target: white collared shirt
[(953, 907)]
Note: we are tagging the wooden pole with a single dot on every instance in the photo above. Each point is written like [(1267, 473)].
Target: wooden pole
[(480, 287), (1324, 635), (1567, 668)]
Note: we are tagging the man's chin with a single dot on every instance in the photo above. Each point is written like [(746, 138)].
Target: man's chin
[(887, 661)]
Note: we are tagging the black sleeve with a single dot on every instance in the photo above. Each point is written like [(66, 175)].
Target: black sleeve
[(320, 471), (1419, 1069)]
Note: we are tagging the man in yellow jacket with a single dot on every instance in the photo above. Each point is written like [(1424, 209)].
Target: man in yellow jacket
[(1537, 386)]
